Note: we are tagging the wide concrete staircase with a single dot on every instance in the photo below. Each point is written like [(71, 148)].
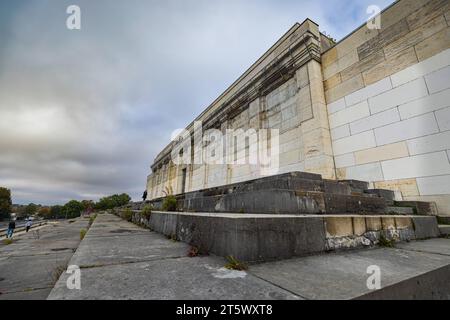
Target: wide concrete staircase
[(298, 193), (289, 215)]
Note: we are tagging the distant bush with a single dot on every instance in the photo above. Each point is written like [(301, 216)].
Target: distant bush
[(55, 212), (127, 214), (44, 212), (147, 211), (169, 203)]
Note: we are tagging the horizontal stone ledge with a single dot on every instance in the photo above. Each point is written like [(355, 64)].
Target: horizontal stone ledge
[(263, 237)]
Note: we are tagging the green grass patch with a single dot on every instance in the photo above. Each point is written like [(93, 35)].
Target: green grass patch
[(147, 211), (127, 214), (169, 203), (82, 233), (7, 241)]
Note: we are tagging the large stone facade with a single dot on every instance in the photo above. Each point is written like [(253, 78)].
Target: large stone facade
[(375, 106)]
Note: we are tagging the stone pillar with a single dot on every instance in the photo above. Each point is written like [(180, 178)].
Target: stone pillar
[(317, 148), (314, 128)]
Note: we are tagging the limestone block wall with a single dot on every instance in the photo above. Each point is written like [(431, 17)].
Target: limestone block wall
[(388, 101), (283, 91), (374, 107)]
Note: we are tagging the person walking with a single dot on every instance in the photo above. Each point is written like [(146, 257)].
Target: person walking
[(11, 227), (144, 195), (28, 224)]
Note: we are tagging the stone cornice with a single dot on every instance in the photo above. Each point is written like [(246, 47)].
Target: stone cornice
[(280, 70)]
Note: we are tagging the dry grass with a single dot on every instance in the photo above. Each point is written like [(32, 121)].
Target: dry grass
[(235, 264)]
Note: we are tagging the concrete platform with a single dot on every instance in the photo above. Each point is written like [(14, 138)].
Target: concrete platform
[(147, 265), (344, 275), (28, 265)]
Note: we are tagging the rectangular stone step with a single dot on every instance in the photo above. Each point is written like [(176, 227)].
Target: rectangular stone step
[(282, 201), (296, 193), (356, 185), (443, 219), (400, 210), (444, 229), (419, 207), (388, 195)]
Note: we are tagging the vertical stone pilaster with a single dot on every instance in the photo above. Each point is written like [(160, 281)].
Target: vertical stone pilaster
[(317, 148)]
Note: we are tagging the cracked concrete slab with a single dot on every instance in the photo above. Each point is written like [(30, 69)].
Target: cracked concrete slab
[(438, 246), (146, 265), (110, 249), (30, 266), (344, 275), (141, 264), (201, 278)]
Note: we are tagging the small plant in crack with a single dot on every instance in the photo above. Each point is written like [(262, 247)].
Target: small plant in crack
[(91, 219), (57, 272), (7, 241), (235, 264), (172, 237), (193, 252), (385, 242)]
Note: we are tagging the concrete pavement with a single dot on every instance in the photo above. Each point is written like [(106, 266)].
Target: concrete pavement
[(120, 260), (30, 266)]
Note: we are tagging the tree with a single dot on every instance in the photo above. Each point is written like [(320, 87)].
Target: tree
[(44, 212), (56, 212), (72, 209), (124, 199), (87, 205), (31, 209), (5, 203), (113, 201)]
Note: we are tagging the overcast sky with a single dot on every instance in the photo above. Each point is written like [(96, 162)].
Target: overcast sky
[(84, 112)]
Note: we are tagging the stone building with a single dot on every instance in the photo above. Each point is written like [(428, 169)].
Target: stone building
[(375, 106)]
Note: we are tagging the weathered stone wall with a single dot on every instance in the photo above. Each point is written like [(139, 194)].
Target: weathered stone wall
[(388, 94), (372, 107)]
